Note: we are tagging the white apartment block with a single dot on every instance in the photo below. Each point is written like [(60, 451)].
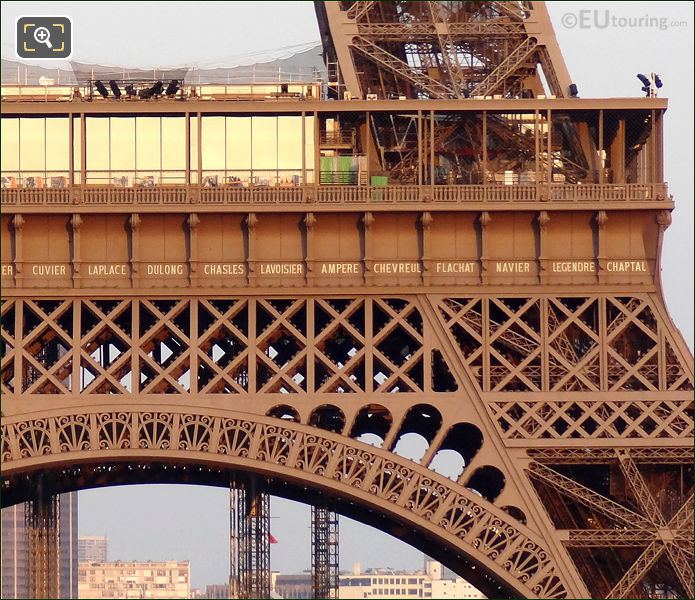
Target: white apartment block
[(384, 583), (161, 580)]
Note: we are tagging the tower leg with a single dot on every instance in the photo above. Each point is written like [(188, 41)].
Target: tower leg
[(249, 541), (42, 516), (324, 552)]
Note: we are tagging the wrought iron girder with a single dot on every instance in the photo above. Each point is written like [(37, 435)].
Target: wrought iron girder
[(507, 67), (643, 496), (359, 9), (568, 487), (683, 519), (423, 31), (566, 456), (447, 48), (608, 538), (682, 566), (637, 570), (401, 69)]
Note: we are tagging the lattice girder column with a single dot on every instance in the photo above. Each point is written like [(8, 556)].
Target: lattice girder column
[(42, 520)]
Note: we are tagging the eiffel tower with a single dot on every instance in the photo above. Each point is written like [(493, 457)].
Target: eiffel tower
[(284, 286)]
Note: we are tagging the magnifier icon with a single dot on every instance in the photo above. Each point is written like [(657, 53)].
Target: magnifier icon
[(43, 36)]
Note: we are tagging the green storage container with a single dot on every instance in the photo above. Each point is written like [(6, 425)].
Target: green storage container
[(379, 181)]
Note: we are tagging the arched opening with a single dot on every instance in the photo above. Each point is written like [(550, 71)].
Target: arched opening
[(516, 513), (284, 411), (422, 419), (487, 481), (461, 444), (372, 424), (417, 431), (90, 476), (328, 417)]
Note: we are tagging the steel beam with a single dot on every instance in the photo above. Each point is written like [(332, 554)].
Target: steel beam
[(324, 552)]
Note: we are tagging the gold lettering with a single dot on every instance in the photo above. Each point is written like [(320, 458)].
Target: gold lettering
[(513, 267), (49, 270), (340, 268), (390, 268), (455, 267), (282, 269), (573, 266), (165, 269), (7, 270), (224, 269), (626, 266), (104, 270)]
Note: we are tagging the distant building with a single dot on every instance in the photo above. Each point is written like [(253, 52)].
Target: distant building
[(15, 552), (217, 590), (92, 548), (168, 579), (293, 586), (388, 583)]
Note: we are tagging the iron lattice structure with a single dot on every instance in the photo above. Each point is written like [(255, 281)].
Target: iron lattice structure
[(325, 558), (42, 518), (497, 296), (249, 513), (442, 49)]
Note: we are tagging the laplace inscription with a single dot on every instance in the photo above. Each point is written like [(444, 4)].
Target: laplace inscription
[(103, 270)]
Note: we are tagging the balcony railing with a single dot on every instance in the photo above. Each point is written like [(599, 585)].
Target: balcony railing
[(336, 194)]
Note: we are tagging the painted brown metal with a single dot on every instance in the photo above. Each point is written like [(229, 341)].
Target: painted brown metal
[(263, 330)]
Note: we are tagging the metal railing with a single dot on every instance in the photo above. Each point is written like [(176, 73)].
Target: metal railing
[(98, 195)]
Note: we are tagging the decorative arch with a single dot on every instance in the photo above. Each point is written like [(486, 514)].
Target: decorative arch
[(465, 527)]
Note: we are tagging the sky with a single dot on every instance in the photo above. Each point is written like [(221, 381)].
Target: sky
[(603, 56)]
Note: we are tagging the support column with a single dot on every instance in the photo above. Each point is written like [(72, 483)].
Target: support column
[(249, 540), (42, 518), (324, 553)]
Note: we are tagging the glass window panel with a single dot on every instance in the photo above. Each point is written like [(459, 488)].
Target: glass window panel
[(32, 144), (58, 144), (122, 143), (213, 145), (9, 133), (148, 143), (194, 149), (97, 143), (264, 143), (238, 143), (289, 142), (77, 143), (309, 143), (174, 143)]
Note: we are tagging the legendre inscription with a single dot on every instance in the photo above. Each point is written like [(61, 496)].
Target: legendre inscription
[(573, 266)]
